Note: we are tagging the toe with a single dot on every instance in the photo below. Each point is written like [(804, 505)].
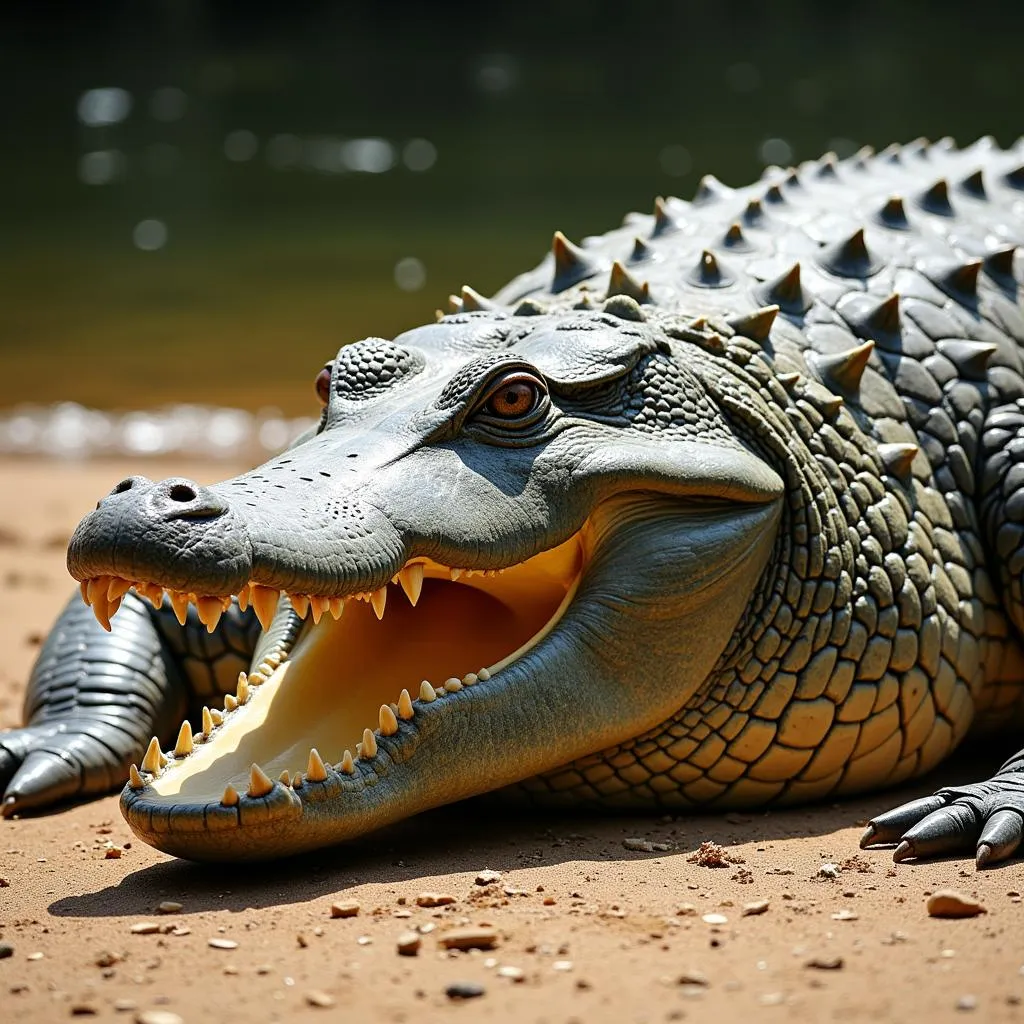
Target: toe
[(1000, 837), (947, 830), (891, 826), (44, 778)]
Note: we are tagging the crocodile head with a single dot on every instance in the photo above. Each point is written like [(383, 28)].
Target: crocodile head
[(513, 540)]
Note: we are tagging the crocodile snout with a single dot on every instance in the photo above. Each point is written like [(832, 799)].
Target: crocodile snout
[(174, 498)]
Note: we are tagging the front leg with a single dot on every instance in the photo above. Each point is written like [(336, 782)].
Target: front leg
[(986, 816), (95, 698)]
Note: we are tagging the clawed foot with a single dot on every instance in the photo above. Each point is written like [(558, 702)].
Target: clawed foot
[(988, 816)]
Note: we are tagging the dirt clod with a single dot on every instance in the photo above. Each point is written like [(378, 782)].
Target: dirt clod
[(754, 907), (712, 855), (464, 990), (488, 877), (825, 963), (409, 943), (951, 903), (434, 899), (345, 908)]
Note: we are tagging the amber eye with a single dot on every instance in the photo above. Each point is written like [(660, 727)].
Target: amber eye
[(323, 383), (515, 396)]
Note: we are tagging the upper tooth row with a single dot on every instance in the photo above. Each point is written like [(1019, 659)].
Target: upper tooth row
[(260, 784), (105, 593)]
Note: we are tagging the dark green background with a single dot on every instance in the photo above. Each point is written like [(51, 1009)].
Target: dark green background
[(265, 272)]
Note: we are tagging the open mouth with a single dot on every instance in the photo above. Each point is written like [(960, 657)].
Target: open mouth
[(332, 676)]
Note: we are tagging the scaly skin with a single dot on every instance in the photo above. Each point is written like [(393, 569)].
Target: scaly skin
[(781, 428)]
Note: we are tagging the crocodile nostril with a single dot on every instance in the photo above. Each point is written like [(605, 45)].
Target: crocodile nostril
[(182, 493), (124, 485)]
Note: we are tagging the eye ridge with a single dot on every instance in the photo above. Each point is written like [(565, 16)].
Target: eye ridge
[(323, 383)]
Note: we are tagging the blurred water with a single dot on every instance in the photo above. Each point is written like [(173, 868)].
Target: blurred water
[(202, 201)]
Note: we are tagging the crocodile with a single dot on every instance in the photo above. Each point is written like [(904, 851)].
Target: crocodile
[(721, 509)]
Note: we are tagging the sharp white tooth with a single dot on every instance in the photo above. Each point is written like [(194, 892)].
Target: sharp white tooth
[(225, 604), (427, 694), (243, 597), (284, 778), (455, 574), (337, 607), (259, 783), (83, 589), (100, 610), (453, 685), (405, 705), (210, 610), (315, 768), (218, 718), (207, 723), (483, 675), (411, 579), (318, 605), (135, 780), (117, 588), (378, 599), (164, 760), (179, 602), (155, 595), (184, 745), (230, 797), (98, 588), (388, 722), (347, 764), (112, 607), (264, 602), (230, 702), (255, 678), (300, 603), (470, 679), (273, 659), (151, 759), (242, 690), (265, 668), (368, 748)]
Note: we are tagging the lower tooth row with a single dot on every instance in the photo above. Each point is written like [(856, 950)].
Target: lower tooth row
[(260, 784)]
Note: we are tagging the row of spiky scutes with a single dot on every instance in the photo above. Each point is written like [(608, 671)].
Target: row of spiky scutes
[(877, 632)]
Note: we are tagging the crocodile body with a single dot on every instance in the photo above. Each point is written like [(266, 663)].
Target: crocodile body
[(722, 508)]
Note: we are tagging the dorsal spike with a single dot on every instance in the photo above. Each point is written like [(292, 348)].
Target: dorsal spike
[(958, 279), (789, 380), (974, 185), (710, 190), (620, 282), (529, 307), (709, 273), (774, 195), (885, 317), (1015, 178), (935, 199), (454, 304), (892, 154), (663, 220), (1000, 262), (641, 251), (826, 169), (850, 257), (786, 291), (859, 160), (917, 147), (898, 458), (754, 215), (472, 300), (735, 240), (842, 371), (894, 214), (830, 406), (971, 358), (572, 264), (792, 179), (625, 308), (757, 325)]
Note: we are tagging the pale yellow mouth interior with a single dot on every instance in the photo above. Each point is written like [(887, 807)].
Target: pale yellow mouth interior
[(339, 673)]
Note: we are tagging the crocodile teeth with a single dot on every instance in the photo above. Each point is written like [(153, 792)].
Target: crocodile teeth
[(284, 778), (405, 709), (483, 675), (230, 702), (264, 602), (207, 723), (470, 679), (135, 780), (455, 574), (316, 771), (242, 690), (97, 587), (179, 602), (151, 759), (100, 610), (259, 782), (218, 718), (337, 607), (83, 589), (388, 721), (318, 605), (347, 765), (243, 597), (300, 603), (153, 593), (411, 579), (368, 748), (453, 685), (184, 745), (210, 610), (117, 588), (230, 797), (427, 694), (378, 599)]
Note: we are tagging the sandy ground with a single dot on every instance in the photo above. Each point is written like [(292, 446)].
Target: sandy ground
[(596, 930)]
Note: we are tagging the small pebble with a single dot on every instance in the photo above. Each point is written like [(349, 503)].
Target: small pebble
[(124, 1005), (641, 845), (169, 907), (488, 877), (825, 963), (512, 973), (113, 853), (6, 951), (951, 903), (409, 943), (967, 1003), (83, 1010), (434, 899), (319, 998), (469, 938), (34, 956), (464, 990), (828, 871), (345, 908), (845, 915), (693, 978), (145, 928), (562, 965), (754, 907), (222, 943), (157, 1017), (715, 919)]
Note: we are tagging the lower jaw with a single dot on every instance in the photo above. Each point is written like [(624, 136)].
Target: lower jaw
[(196, 806)]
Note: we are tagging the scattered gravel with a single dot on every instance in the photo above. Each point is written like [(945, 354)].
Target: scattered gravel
[(951, 903), (464, 990), (711, 855), (434, 899), (830, 871), (488, 877)]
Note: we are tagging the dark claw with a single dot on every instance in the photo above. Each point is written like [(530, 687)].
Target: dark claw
[(946, 830), (43, 778), (891, 826), (1000, 837), (905, 851), (983, 856), (868, 837)]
